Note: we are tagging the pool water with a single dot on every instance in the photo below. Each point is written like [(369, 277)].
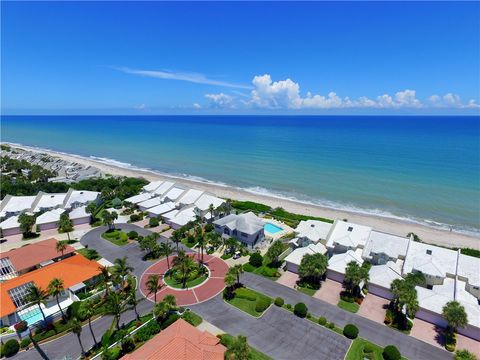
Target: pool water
[(32, 316), (271, 228)]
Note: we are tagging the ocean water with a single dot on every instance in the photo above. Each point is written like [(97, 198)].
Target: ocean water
[(425, 169)]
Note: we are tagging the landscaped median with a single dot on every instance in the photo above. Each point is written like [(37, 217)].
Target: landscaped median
[(249, 301), (117, 237), (232, 343)]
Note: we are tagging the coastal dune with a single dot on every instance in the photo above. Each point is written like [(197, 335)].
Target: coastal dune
[(396, 226)]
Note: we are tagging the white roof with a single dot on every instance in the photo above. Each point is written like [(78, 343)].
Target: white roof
[(247, 223), (469, 267), (339, 262), (49, 201), (190, 196), (184, 216), (10, 223), (15, 204), (348, 234), (383, 275), (469, 302), (78, 213), (138, 198), (150, 202), (162, 209), (163, 188), (204, 201), (430, 260), (436, 298), (50, 216), (171, 214), (174, 193), (152, 186), (296, 256), (392, 245), (314, 230), (81, 197)]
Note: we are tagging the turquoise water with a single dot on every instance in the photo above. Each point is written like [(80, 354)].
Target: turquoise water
[(421, 168), (32, 317), (272, 228)]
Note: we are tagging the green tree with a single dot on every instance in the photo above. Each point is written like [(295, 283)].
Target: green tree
[(177, 237), (201, 243), (61, 246), (240, 348), (166, 250), (122, 269), (354, 275), (274, 251), (455, 314), (133, 301), (92, 210), (36, 295), (153, 285), (163, 308), (65, 225), (87, 311), (26, 223), (115, 306), (236, 271), (312, 267), (105, 278), (55, 289), (108, 219), (232, 244), (76, 327), (183, 264), (211, 210), (404, 295)]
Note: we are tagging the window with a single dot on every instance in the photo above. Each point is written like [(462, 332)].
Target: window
[(429, 252), (244, 234), (6, 267), (19, 293), (350, 229), (430, 287)]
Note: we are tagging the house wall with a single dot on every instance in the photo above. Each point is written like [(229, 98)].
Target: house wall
[(431, 317), (470, 331), (292, 267), (379, 291), (336, 276), (79, 221), (48, 226), (10, 232)]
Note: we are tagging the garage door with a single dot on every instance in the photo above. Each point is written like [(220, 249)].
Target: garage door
[(431, 317), (471, 332), (379, 291), (335, 276), (292, 267)]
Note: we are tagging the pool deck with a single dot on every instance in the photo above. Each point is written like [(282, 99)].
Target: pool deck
[(274, 236)]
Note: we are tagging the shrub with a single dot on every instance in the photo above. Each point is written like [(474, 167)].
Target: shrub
[(25, 342), (256, 259), (388, 317), (300, 310), (132, 235), (192, 318), (246, 294), (153, 222), (127, 345), (289, 307), (464, 355), (21, 326), (10, 348), (116, 203), (209, 227), (331, 325), (170, 320), (148, 331), (111, 354), (368, 348), (135, 217), (309, 316), (450, 341), (262, 304), (228, 293), (391, 353), (345, 296), (322, 320), (279, 301), (350, 331)]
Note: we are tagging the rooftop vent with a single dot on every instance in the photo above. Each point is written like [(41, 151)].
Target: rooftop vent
[(429, 252), (312, 225), (350, 229)]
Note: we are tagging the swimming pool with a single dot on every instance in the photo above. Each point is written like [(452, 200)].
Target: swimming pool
[(32, 316), (272, 228)]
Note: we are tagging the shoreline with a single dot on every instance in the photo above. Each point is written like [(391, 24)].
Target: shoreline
[(396, 226)]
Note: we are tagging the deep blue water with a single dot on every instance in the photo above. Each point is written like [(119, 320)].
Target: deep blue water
[(422, 168)]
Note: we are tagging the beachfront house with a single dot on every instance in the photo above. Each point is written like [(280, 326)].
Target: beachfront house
[(79, 216), (294, 259), (15, 205), (159, 210), (136, 199), (174, 193), (189, 197), (78, 198), (150, 203), (246, 228), (179, 218), (346, 236), (203, 204), (311, 232), (337, 264)]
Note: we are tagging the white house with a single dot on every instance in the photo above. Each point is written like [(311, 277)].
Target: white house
[(182, 217), (382, 247), (159, 210), (136, 199), (76, 198), (468, 271), (246, 228), (189, 197), (45, 201), (10, 226), (174, 193), (294, 259), (151, 187), (338, 263), (49, 219), (311, 232), (79, 215), (381, 277), (150, 203), (203, 204), (163, 188), (347, 236), (14, 205)]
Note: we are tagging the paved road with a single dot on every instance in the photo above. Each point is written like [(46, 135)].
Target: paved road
[(278, 333), (409, 346)]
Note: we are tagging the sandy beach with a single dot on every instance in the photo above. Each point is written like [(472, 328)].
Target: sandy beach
[(395, 226)]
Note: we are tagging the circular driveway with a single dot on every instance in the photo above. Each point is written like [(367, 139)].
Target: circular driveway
[(205, 291)]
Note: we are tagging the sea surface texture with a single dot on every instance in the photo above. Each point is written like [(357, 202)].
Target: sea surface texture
[(425, 169)]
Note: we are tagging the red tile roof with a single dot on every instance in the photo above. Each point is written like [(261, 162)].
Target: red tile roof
[(72, 270), (180, 341), (34, 254)]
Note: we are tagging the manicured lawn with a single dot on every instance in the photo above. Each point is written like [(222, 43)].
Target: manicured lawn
[(116, 237), (306, 290), (356, 351), (246, 300), (175, 281), (192, 318), (270, 273), (89, 253), (227, 340), (352, 307)]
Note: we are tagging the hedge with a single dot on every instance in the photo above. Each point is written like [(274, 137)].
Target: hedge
[(148, 331), (262, 304), (300, 310), (25, 342), (350, 331), (10, 348), (391, 353), (279, 301)]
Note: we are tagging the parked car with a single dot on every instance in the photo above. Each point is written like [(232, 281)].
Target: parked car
[(237, 255)]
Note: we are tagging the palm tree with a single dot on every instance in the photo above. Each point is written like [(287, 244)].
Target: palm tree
[(184, 264), (115, 307), (87, 309), (162, 309), (166, 250), (108, 219), (55, 288), (153, 285), (105, 278), (26, 223), (65, 225), (122, 269), (91, 209), (36, 295), (236, 271), (77, 330), (354, 275), (201, 242), (61, 246), (240, 348), (177, 238), (211, 210), (404, 296), (133, 301), (455, 315)]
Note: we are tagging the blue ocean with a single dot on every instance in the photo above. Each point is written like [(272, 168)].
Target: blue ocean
[(425, 169)]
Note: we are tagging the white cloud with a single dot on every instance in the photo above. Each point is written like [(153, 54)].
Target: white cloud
[(196, 106), (220, 100), (141, 107), (196, 78), (450, 101)]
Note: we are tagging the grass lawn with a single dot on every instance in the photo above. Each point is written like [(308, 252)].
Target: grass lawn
[(192, 318), (246, 300), (307, 290), (352, 307), (116, 237), (89, 253), (227, 340), (266, 271), (356, 351), (193, 280)]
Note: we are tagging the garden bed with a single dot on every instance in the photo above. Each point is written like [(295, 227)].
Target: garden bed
[(116, 237), (228, 340), (174, 280), (250, 301), (348, 306)]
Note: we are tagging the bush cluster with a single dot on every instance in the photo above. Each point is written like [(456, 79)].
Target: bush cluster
[(350, 331), (279, 301), (10, 348), (132, 235), (153, 222), (391, 353), (135, 217), (300, 310), (368, 348), (148, 331), (256, 259), (322, 320), (25, 342), (262, 304)]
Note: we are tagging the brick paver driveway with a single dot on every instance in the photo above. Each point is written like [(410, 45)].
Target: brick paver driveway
[(428, 332), (471, 345), (329, 292), (288, 278), (373, 307)]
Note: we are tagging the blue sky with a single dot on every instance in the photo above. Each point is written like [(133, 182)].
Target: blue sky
[(225, 57)]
